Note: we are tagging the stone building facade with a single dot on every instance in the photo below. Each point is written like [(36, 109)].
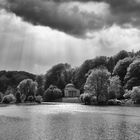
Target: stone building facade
[(71, 91)]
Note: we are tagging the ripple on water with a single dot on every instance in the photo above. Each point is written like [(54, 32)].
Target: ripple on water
[(69, 122)]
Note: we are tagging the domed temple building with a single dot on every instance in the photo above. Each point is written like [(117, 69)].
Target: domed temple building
[(71, 91)]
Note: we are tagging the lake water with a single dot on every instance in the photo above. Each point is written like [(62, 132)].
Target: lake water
[(65, 121)]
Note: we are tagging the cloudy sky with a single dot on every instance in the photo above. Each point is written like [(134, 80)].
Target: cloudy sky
[(37, 34)]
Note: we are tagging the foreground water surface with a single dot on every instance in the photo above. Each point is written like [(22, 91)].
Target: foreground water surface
[(65, 121)]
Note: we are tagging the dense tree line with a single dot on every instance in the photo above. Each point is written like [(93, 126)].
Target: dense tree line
[(61, 74), (123, 73), (13, 78), (103, 77)]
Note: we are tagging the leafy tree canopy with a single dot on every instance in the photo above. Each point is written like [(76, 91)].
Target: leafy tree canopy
[(132, 77), (97, 84), (27, 87), (55, 76), (121, 67), (13, 78), (120, 55)]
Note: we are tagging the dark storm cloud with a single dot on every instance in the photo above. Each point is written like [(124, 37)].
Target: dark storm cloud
[(57, 14), (125, 11)]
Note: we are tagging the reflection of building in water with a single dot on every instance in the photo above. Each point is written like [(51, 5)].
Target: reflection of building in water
[(71, 91)]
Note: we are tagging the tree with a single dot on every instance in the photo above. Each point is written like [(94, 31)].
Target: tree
[(52, 93), (120, 55), (7, 99), (30, 98), (28, 88), (38, 99), (135, 95), (40, 85), (110, 64), (4, 82), (97, 84), (137, 53), (13, 78), (18, 97), (86, 98), (127, 94), (115, 87), (132, 82), (10, 90), (121, 68), (67, 75), (132, 77), (55, 75), (1, 96), (83, 70)]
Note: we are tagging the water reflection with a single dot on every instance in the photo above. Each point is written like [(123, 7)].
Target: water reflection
[(69, 122)]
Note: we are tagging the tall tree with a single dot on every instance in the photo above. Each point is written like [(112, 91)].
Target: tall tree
[(110, 64), (55, 76), (121, 68), (132, 77), (40, 84), (97, 84), (115, 87), (85, 68), (120, 55), (28, 88)]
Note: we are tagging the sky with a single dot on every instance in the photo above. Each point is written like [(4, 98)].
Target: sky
[(37, 34)]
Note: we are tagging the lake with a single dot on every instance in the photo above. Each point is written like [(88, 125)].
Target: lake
[(66, 121)]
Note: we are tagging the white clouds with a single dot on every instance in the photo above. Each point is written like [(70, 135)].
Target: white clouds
[(138, 1), (117, 38), (36, 48)]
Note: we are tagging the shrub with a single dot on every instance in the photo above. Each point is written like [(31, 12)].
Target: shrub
[(93, 99), (30, 98), (114, 102), (48, 95), (9, 99), (52, 93), (127, 94), (86, 98), (57, 92), (111, 102), (128, 102), (38, 99)]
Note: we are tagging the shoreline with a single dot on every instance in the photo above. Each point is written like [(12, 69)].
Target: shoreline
[(59, 103)]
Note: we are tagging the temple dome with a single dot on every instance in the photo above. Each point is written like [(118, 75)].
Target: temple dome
[(70, 85)]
